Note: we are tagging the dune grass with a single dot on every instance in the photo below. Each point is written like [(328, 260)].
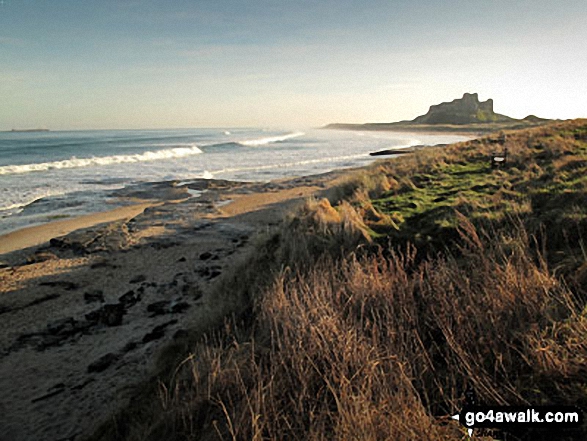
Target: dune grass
[(368, 316)]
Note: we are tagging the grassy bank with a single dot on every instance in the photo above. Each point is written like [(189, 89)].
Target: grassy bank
[(372, 315)]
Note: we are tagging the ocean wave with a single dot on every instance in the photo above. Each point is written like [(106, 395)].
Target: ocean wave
[(12, 207), (74, 162), (270, 139), (220, 145), (288, 164)]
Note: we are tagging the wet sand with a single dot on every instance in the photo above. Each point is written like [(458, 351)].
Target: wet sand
[(37, 235)]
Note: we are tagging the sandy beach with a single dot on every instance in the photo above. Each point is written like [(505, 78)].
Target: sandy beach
[(86, 304)]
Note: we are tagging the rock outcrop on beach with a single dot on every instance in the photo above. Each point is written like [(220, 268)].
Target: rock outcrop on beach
[(466, 110)]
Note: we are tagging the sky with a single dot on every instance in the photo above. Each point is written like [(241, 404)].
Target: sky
[(132, 64)]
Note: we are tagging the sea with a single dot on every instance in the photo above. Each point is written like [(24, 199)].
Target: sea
[(46, 176)]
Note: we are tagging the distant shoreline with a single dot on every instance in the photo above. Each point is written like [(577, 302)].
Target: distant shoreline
[(26, 130), (456, 129)]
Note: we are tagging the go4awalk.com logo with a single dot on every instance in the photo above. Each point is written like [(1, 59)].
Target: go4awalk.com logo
[(508, 417)]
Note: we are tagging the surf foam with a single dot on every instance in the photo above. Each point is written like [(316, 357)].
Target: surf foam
[(74, 162), (271, 139)]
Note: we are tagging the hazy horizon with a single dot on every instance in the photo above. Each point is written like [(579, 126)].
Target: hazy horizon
[(141, 64)]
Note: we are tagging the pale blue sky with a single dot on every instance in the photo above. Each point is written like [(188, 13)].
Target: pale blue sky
[(75, 64)]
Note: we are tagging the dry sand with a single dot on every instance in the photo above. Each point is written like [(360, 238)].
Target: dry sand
[(82, 318)]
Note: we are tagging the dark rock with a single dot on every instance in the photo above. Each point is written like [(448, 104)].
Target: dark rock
[(159, 308), (157, 332), (129, 299), (182, 259), (180, 334), (130, 346), (4, 265), (57, 242), (179, 307), (214, 273), (206, 255), (94, 316), (40, 256), (102, 363), (103, 264), (48, 395), (67, 286), (63, 327), (66, 244), (111, 314), (82, 385), (96, 295), (191, 290), (138, 279), (42, 300)]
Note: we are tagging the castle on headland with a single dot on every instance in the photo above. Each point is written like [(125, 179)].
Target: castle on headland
[(466, 110)]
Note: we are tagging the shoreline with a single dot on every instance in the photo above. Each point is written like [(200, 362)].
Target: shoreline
[(39, 234), (93, 308)]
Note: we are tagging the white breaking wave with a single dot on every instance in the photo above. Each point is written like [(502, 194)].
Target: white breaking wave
[(74, 162), (286, 165), (12, 206), (271, 139)]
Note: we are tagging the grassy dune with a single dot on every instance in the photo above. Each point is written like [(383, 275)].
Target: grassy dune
[(368, 316)]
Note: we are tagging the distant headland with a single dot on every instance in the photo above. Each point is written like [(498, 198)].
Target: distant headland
[(28, 130), (466, 114)]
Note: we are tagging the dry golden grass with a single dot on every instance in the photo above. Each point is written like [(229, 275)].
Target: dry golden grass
[(345, 336)]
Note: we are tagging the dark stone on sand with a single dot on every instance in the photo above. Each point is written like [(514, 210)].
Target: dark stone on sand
[(138, 279), (67, 286), (159, 308), (164, 244), (214, 273), (206, 255), (102, 363), (57, 242), (111, 314), (182, 259), (129, 299), (158, 331), (40, 256), (63, 327), (130, 346), (66, 244), (42, 300), (94, 316), (390, 152), (180, 334), (102, 264), (96, 295), (209, 272), (179, 307), (48, 395)]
